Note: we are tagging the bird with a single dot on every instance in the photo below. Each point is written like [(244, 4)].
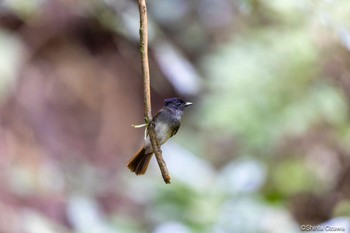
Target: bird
[(166, 124)]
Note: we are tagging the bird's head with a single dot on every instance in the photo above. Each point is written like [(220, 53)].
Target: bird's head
[(176, 103)]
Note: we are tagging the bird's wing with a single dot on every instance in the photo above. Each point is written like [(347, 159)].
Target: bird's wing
[(175, 130)]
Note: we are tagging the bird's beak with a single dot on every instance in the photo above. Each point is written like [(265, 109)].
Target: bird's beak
[(188, 104)]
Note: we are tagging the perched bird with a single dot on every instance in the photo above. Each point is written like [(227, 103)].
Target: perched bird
[(166, 124)]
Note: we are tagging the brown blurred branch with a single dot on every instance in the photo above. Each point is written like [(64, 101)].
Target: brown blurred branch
[(147, 89)]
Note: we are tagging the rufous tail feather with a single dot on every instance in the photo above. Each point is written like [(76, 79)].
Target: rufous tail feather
[(139, 163)]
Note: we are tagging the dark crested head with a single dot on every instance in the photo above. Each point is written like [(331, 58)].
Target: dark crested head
[(176, 103)]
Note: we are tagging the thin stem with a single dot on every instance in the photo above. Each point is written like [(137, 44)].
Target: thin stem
[(147, 89)]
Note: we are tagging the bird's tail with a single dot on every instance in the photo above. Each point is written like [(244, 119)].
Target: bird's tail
[(139, 162)]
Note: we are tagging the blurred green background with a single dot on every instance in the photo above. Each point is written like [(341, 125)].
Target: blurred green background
[(264, 149)]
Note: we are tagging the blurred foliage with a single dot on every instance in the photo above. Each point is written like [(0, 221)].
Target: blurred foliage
[(264, 148)]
